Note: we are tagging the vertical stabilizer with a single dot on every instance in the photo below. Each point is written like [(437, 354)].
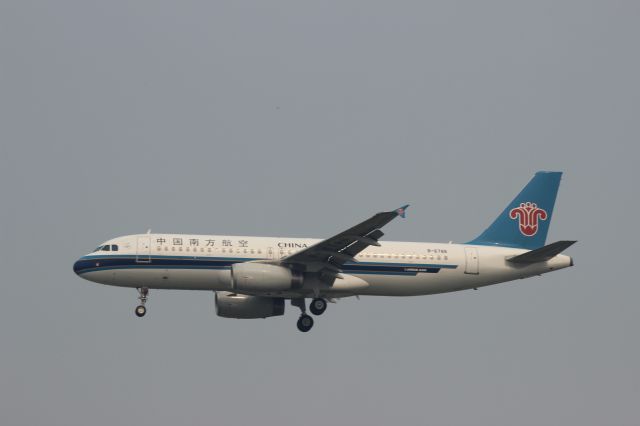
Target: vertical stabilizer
[(525, 221)]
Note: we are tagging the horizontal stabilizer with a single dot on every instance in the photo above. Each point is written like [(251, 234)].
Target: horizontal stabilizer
[(543, 253)]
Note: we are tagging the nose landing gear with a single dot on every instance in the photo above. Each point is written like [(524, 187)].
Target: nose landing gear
[(141, 310)]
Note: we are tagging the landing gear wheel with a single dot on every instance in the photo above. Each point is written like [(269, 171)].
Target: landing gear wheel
[(318, 306), (305, 322), (143, 294)]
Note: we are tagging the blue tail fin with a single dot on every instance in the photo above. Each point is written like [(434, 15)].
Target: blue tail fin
[(525, 221)]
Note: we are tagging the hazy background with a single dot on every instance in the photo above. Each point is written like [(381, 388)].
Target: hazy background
[(301, 118)]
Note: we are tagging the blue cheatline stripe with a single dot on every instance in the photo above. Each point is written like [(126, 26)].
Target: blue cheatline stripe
[(401, 265), (101, 263), (165, 256), (248, 259), (147, 266)]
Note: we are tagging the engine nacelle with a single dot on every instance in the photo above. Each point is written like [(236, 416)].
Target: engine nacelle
[(263, 277), (231, 305)]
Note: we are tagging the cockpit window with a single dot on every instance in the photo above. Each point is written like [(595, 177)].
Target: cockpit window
[(108, 247)]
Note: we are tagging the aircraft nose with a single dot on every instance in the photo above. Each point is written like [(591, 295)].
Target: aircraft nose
[(77, 266)]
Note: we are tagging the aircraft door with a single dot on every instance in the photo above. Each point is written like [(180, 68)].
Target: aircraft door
[(471, 261), (270, 253), (143, 250)]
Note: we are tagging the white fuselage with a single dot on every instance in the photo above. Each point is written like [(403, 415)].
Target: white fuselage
[(203, 262)]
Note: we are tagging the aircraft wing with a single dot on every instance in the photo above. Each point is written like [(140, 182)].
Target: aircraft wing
[(329, 255)]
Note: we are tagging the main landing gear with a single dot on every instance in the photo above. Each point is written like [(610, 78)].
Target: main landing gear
[(141, 310), (305, 322), (317, 307)]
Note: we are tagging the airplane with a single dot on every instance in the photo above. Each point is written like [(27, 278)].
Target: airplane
[(252, 277)]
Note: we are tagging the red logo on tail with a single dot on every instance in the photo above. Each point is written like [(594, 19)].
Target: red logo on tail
[(528, 215)]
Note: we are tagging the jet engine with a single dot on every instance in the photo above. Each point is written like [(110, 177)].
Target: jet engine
[(231, 305), (263, 277)]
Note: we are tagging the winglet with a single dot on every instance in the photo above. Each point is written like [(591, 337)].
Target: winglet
[(402, 211)]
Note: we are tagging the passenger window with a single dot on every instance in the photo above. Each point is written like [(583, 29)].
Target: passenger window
[(179, 248), (166, 249), (209, 249), (187, 248)]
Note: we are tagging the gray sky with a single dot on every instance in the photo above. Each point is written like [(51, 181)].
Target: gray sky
[(301, 118)]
